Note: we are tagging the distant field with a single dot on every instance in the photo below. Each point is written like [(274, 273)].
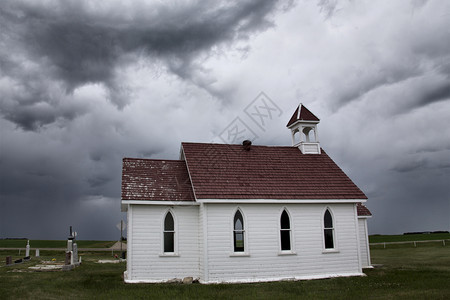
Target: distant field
[(406, 273), (408, 237), (54, 244)]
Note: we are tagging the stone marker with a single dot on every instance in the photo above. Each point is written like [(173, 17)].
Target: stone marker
[(27, 250), (68, 258), (74, 253), (9, 260), (187, 280), (37, 253)]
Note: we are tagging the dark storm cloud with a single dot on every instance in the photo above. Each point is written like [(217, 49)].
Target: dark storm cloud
[(410, 165), (48, 181), (61, 143), (35, 116), (70, 44), (414, 50), (439, 93), (424, 92), (85, 83), (425, 161)]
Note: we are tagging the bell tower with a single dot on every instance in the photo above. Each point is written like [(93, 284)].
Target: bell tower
[(303, 126)]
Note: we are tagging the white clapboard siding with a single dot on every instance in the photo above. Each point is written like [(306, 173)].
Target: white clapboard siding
[(201, 244), (264, 261), (145, 259), (363, 241)]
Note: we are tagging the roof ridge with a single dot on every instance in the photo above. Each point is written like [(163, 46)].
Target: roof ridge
[(236, 145), (152, 159)]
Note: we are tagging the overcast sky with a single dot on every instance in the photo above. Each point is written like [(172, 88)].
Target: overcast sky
[(85, 83)]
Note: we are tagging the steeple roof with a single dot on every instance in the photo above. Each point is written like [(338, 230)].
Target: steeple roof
[(302, 114)]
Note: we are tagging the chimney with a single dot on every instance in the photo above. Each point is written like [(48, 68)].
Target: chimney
[(247, 145)]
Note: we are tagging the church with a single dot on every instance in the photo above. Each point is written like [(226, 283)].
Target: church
[(229, 213)]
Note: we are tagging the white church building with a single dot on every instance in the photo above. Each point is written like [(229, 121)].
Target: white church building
[(244, 213)]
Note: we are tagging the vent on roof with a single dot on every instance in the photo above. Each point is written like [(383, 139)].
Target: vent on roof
[(247, 145)]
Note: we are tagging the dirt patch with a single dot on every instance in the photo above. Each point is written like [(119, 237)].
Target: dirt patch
[(110, 261), (46, 267)]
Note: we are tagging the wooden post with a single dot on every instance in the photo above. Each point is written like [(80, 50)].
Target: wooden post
[(121, 236)]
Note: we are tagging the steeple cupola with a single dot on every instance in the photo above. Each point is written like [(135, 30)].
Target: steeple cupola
[(303, 126)]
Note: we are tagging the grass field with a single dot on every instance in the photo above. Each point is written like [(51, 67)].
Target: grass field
[(54, 244), (407, 273), (408, 237), (107, 244)]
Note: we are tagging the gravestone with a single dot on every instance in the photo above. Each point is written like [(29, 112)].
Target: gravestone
[(68, 258), (74, 253), (37, 252), (27, 250), (9, 260), (69, 245), (71, 239)]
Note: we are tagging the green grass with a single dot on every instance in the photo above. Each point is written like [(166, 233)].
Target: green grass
[(54, 244), (408, 237), (407, 273)]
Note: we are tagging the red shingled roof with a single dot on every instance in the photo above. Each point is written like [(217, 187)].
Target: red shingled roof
[(304, 115), (220, 171), (157, 180), (363, 210)]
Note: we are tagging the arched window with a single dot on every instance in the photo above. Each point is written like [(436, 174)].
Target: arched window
[(238, 232), (328, 229), (169, 233), (285, 231)]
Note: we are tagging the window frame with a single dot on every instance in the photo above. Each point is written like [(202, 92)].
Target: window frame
[(290, 230), (175, 234), (333, 231), (243, 231)]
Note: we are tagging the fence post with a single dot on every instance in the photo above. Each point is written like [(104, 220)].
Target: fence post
[(414, 243)]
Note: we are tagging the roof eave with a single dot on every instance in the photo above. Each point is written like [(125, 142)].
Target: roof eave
[(262, 201), (302, 121), (156, 202), (364, 216)]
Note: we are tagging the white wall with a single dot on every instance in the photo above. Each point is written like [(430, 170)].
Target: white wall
[(205, 243), (145, 259), (364, 242), (201, 243), (264, 261)]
